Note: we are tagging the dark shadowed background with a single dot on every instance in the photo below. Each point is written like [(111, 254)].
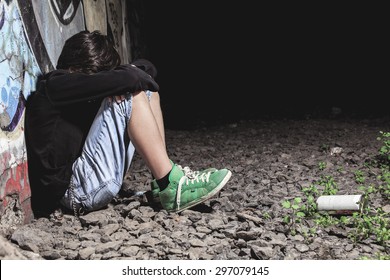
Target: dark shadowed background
[(244, 60)]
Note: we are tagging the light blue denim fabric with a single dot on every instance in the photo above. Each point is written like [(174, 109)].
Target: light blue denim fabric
[(107, 153)]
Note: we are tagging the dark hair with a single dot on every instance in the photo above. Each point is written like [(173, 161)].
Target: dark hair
[(88, 52)]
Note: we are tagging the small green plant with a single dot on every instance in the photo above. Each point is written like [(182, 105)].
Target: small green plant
[(322, 165), (266, 216), (324, 220), (359, 177), (378, 256), (301, 209), (368, 190), (340, 169), (329, 184), (370, 223), (384, 179), (310, 205), (383, 186), (295, 205), (384, 150)]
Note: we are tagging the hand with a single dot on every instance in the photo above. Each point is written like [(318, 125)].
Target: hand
[(146, 66), (138, 79), (118, 98)]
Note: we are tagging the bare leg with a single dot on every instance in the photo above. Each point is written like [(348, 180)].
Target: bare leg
[(145, 130), (156, 109)]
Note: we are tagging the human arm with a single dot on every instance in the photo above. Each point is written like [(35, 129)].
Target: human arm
[(64, 88)]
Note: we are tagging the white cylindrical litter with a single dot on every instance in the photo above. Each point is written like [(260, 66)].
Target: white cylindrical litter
[(340, 204)]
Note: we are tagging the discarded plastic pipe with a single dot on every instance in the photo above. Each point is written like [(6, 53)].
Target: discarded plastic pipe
[(340, 204)]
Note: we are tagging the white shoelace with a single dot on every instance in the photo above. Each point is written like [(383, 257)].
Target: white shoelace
[(188, 172), (189, 176)]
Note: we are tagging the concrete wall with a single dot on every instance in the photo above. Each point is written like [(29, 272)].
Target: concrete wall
[(32, 33)]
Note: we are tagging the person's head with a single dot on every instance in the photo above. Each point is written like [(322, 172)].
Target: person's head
[(88, 52)]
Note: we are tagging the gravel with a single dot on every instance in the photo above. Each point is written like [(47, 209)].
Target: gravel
[(271, 161)]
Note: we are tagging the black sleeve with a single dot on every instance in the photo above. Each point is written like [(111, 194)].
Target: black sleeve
[(65, 88), (147, 66)]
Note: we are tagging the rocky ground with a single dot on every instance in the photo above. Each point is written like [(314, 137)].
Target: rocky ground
[(272, 161)]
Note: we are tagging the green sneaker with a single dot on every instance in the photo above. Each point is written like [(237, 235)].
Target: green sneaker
[(155, 191), (187, 172), (187, 190)]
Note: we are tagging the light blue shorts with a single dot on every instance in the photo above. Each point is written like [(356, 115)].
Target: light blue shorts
[(106, 156)]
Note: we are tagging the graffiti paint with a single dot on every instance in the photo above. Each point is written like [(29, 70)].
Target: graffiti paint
[(57, 20), (18, 68), (18, 72), (15, 193)]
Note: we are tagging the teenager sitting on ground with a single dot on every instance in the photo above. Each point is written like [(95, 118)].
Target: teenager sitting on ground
[(86, 120)]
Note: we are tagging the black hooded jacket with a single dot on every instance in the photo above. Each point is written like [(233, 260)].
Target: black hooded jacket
[(58, 117)]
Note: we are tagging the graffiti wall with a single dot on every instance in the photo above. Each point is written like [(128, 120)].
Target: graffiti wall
[(32, 33)]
